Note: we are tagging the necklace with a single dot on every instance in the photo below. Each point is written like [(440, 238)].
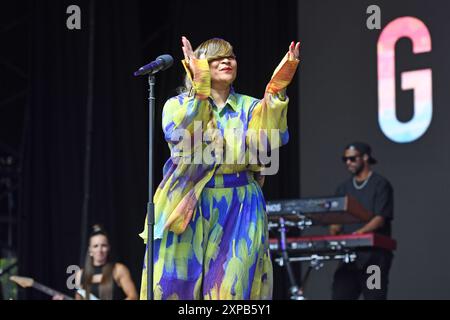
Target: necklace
[(359, 187)]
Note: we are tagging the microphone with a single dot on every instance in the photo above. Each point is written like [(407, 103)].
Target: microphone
[(160, 64)]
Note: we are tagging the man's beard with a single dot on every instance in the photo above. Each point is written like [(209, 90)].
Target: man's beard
[(358, 170)]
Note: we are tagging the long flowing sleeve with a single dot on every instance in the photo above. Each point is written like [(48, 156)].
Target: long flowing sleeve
[(181, 112), (177, 194), (270, 113)]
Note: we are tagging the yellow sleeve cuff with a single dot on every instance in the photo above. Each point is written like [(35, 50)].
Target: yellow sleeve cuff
[(201, 78), (282, 75)]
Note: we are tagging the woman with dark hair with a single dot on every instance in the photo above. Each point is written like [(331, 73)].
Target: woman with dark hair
[(211, 232), (102, 278)]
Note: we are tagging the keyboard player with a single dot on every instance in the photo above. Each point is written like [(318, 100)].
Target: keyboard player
[(375, 193)]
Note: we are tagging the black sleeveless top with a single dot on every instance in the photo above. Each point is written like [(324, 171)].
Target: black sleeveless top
[(117, 294)]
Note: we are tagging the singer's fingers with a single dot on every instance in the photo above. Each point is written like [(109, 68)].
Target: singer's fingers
[(187, 46), (297, 50), (184, 53), (184, 41), (291, 51), (294, 50), (184, 44)]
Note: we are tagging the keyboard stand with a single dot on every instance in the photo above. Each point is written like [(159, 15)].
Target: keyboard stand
[(315, 262)]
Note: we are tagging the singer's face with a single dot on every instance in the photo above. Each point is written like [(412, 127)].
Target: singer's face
[(223, 71)]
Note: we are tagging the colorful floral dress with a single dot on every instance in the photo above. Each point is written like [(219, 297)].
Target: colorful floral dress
[(211, 235)]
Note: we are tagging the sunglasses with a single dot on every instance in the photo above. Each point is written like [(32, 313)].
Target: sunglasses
[(352, 159)]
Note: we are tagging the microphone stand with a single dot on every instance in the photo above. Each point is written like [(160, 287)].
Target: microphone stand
[(150, 204), (161, 63)]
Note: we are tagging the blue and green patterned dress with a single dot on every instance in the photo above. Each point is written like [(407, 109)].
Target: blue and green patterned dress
[(211, 235)]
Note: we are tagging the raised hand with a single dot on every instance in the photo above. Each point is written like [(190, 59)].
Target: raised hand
[(187, 49), (294, 51)]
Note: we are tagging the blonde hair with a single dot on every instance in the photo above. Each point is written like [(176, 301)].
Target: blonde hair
[(213, 49)]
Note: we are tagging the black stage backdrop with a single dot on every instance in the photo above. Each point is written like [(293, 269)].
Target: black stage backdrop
[(53, 175), (123, 36)]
